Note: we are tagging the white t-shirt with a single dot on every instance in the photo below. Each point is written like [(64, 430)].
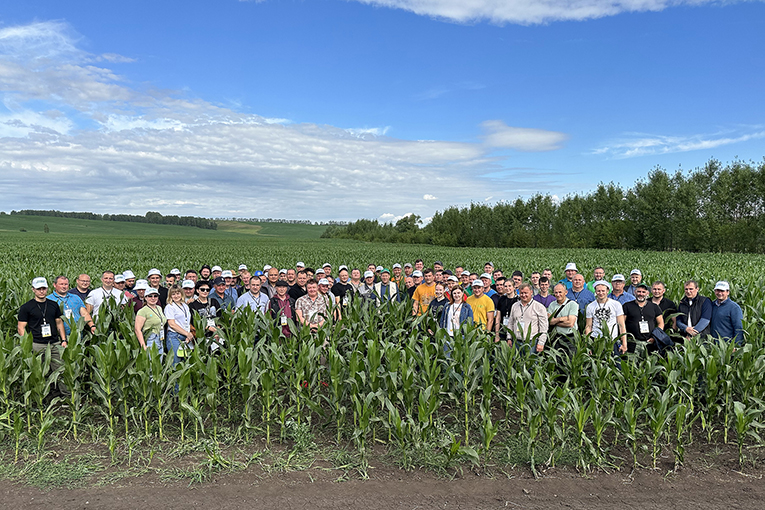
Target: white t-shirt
[(608, 312), (180, 313), (97, 297)]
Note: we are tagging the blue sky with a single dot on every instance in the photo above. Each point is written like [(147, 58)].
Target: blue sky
[(336, 110)]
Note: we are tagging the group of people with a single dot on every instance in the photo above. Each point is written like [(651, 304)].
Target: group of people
[(535, 312)]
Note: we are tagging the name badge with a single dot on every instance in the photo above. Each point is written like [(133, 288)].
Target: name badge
[(46, 330), (506, 321), (521, 326), (283, 319), (68, 313), (644, 327), (161, 334), (210, 322), (345, 299)]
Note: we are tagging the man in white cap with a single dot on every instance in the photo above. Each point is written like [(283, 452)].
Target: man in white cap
[(635, 277), (215, 272), (327, 267), (129, 277), (424, 293), (398, 276), (482, 306), (155, 278), (605, 318), (43, 319), (570, 271), (618, 293), (188, 288), (98, 296), (71, 305), (299, 267), (366, 289), (726, 323)]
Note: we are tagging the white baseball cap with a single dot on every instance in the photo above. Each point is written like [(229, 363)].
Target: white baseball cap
[(602, 282), (242, 267), (486, 275), (465, 273), (227, 274), (636, 271), (216, 268), (266, 268), (187, 284), (300, 264), (323, 281), (151, 290), (282, 271), (175, 271), (453, 278), (722, 285), (319, 271), (39, 283), (141, 284), (369, 274), (327, 264), (119, 279), (417, 273), (128, 275), (396, 265), (477, 283), (617, 278)]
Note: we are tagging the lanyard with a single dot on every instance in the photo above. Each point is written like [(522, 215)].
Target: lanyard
[(45, 312), (182, 309), (160, 315)]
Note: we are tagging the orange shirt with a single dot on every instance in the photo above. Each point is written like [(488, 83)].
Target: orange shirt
[(423, 295)]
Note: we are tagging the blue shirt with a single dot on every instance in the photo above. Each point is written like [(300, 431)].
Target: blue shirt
[(71, 305), (255, 303), (726, 322), (566, 282), (623, 298), (227, 301), (583, 298)]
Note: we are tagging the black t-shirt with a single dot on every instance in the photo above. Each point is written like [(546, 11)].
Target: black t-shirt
[(411, 290), (668, 307), (504, 306), (633, 314), (206, 310), (341, 289), (436, 307), (82, 295), (296, 292), (35, 314)]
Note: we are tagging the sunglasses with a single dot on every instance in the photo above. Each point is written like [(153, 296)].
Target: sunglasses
[(204, 289), (152, 296)]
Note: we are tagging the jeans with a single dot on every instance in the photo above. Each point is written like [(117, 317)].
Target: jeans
[(153, 341), (174, 341)]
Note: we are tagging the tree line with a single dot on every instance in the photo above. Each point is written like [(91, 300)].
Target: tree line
[(713, 208), (150, 217)]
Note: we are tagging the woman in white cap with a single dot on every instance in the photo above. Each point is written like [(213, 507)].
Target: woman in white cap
[(179, 333), (150, 321), (139, 294)]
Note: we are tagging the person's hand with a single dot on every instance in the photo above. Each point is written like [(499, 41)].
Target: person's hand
[(64, 344), (540, 347), (691, 331), (496, 338), (189, 337), (623, 348)]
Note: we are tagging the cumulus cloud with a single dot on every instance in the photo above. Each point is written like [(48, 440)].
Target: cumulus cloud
[(641, 144), (499, 135), (91, 140), (527, 12)]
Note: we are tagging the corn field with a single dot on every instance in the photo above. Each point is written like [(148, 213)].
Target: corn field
[(379, 377)]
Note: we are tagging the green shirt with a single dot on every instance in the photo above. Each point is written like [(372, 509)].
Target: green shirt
[(155, 320), (570, 307)]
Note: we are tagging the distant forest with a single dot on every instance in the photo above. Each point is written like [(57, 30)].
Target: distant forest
[(150, 217), (714, 208)]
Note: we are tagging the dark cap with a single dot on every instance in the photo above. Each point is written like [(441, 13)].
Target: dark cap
[(281, 283), (205, 266), (219, 281), (643, 285)]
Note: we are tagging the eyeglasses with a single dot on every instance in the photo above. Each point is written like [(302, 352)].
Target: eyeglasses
[(152, 295)]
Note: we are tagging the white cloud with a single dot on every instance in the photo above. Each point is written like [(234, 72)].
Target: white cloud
[(528, 12), (641, 144), (499, 135), (89, 139)]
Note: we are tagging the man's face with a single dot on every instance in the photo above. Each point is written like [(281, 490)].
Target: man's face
[(509, 288), (283, 276), (544, 286), (577, 284), (599, 274), (246, 277), (601, 292), (369, 280), (417, 280), (488, 268), (486, 284), (263, 279), (722, 295), (658, 290), (548, 274), (273, 275), (438, 267), (429, 278), (188, 293), (291, 276), (458, 270), (408, 270), (517, 280), (438, 276), (216, 274), (205, 273), (61, 286), (397, 272), (323, 288), (497, 275), (40, 293), (131, 281), (535, 279), (465, 278), (170, 279), (618, 286), (327, 271), (371, 267), (119, 285), (385, 277), (477, 290), (635, 279), (343, 276), (409, 282), (255, 285), (641, 294), (419, 265), (313, 290), (560, 293), (526, 295), (229, 281), (281, 291), (570, 273), (356, 275), (107, 279), (154, 280), (221, 288), (83, 282)]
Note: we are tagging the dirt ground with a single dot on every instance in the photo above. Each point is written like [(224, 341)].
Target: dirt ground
[(392, 488)]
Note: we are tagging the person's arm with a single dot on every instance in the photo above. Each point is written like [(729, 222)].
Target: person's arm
[(61, 330), (543, 325), (706, 316), (302, 320), (587, 326), (497, 327), (172, 324), (489, 319), (415, 305), (88, 319), (21, 327), (622, 332), (140, 320), (736, 317), (660, 321)]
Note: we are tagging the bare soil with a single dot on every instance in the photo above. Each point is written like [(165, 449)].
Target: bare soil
[(389, 487)]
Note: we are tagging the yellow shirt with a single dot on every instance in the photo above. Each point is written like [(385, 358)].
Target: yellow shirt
[(481, 307), (424, 294)]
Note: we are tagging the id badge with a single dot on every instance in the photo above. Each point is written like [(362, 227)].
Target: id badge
[(68, 313), (210, 322), (521, 327), (162, 334), (46, 330), (644, 327), (345, 299), (283, 319), (506, 321)]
